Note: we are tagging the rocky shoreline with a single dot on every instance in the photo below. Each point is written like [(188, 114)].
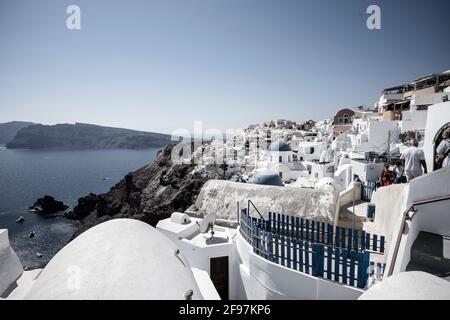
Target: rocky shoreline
[(47, 205), (149, 194)]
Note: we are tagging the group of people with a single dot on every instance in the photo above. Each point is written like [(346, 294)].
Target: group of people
[(389, 177), (412, 162)]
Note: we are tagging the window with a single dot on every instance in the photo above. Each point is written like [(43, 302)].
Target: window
[(346, 118), (280, 158), (281, 174)]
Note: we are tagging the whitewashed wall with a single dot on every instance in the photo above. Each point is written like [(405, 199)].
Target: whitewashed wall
[(266, 280), (438, 116), (10, 266)]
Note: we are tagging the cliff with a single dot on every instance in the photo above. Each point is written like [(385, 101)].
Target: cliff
[(8, 130), (149, 194), (85, 136)]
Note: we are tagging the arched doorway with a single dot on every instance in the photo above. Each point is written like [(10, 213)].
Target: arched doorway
[(437, 140)]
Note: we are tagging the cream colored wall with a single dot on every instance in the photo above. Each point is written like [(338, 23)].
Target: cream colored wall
[(390, 203), (222, 196)]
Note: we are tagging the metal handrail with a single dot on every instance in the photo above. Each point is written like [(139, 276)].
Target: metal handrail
[(253, 205), (402, 227)]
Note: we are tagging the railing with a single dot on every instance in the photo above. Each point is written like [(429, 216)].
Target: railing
[(405, 217), (321, 232), (249, 202), (292, 250), (367, 190)]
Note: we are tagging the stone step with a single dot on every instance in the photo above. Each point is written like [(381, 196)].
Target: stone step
[(431, 253)]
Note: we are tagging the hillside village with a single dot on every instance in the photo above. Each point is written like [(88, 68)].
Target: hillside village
[(354, 143)]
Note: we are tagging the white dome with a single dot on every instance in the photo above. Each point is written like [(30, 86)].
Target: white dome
[(267, 177), (118, 259), (279, 146)]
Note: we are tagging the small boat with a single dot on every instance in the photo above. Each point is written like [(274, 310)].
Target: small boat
[(32, 234), (38, 254), (20, 219)]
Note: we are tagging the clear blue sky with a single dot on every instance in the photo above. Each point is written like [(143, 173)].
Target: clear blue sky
[(160, 65)]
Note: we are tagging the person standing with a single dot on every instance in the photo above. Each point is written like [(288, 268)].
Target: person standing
[(413, 160), (387, 176), (443, 150)]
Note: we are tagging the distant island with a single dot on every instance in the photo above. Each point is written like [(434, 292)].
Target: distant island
[(80, 136), (9, 130)]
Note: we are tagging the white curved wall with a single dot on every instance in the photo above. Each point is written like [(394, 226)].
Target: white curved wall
[(10, 266), (438, 116), (266, 280)]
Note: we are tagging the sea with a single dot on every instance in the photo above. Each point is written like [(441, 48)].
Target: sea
[(67, 175)]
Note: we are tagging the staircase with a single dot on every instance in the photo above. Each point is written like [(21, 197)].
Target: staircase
[(430, 253)]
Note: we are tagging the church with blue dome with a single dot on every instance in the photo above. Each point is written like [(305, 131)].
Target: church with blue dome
[(280, 160)]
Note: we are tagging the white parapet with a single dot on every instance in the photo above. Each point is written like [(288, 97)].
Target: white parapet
[(409, 286), (10, 266)]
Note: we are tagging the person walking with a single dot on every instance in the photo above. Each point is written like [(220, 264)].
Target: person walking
[(413, 160)]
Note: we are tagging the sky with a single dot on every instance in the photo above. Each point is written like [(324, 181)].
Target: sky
[(160, 65)]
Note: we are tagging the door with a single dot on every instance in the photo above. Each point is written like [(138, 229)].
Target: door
[(219, 275)]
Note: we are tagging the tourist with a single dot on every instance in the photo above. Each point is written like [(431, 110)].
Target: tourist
[(413, 159), (387, 176), (443, 150), (400, 176)]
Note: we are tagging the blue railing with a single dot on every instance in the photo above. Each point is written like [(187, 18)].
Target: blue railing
[(307, 249), (367, 190), (321, 232)]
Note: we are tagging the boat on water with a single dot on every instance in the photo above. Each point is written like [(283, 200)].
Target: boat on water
[(20, 219)]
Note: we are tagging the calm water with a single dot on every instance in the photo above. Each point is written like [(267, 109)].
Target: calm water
[(26, 175)]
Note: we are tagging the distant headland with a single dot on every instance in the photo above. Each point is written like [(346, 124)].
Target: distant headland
[(78, 136)]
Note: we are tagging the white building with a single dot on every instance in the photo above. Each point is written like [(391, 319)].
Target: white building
[(281, 160), (310, 151), (374, 136)]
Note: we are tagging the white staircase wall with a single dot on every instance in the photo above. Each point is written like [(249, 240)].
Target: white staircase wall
[(10, 266)]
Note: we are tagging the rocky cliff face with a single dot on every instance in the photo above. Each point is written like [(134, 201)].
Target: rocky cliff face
[(149, 194)]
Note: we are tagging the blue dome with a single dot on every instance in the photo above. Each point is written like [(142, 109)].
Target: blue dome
[(279, 145), (267, 178)]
